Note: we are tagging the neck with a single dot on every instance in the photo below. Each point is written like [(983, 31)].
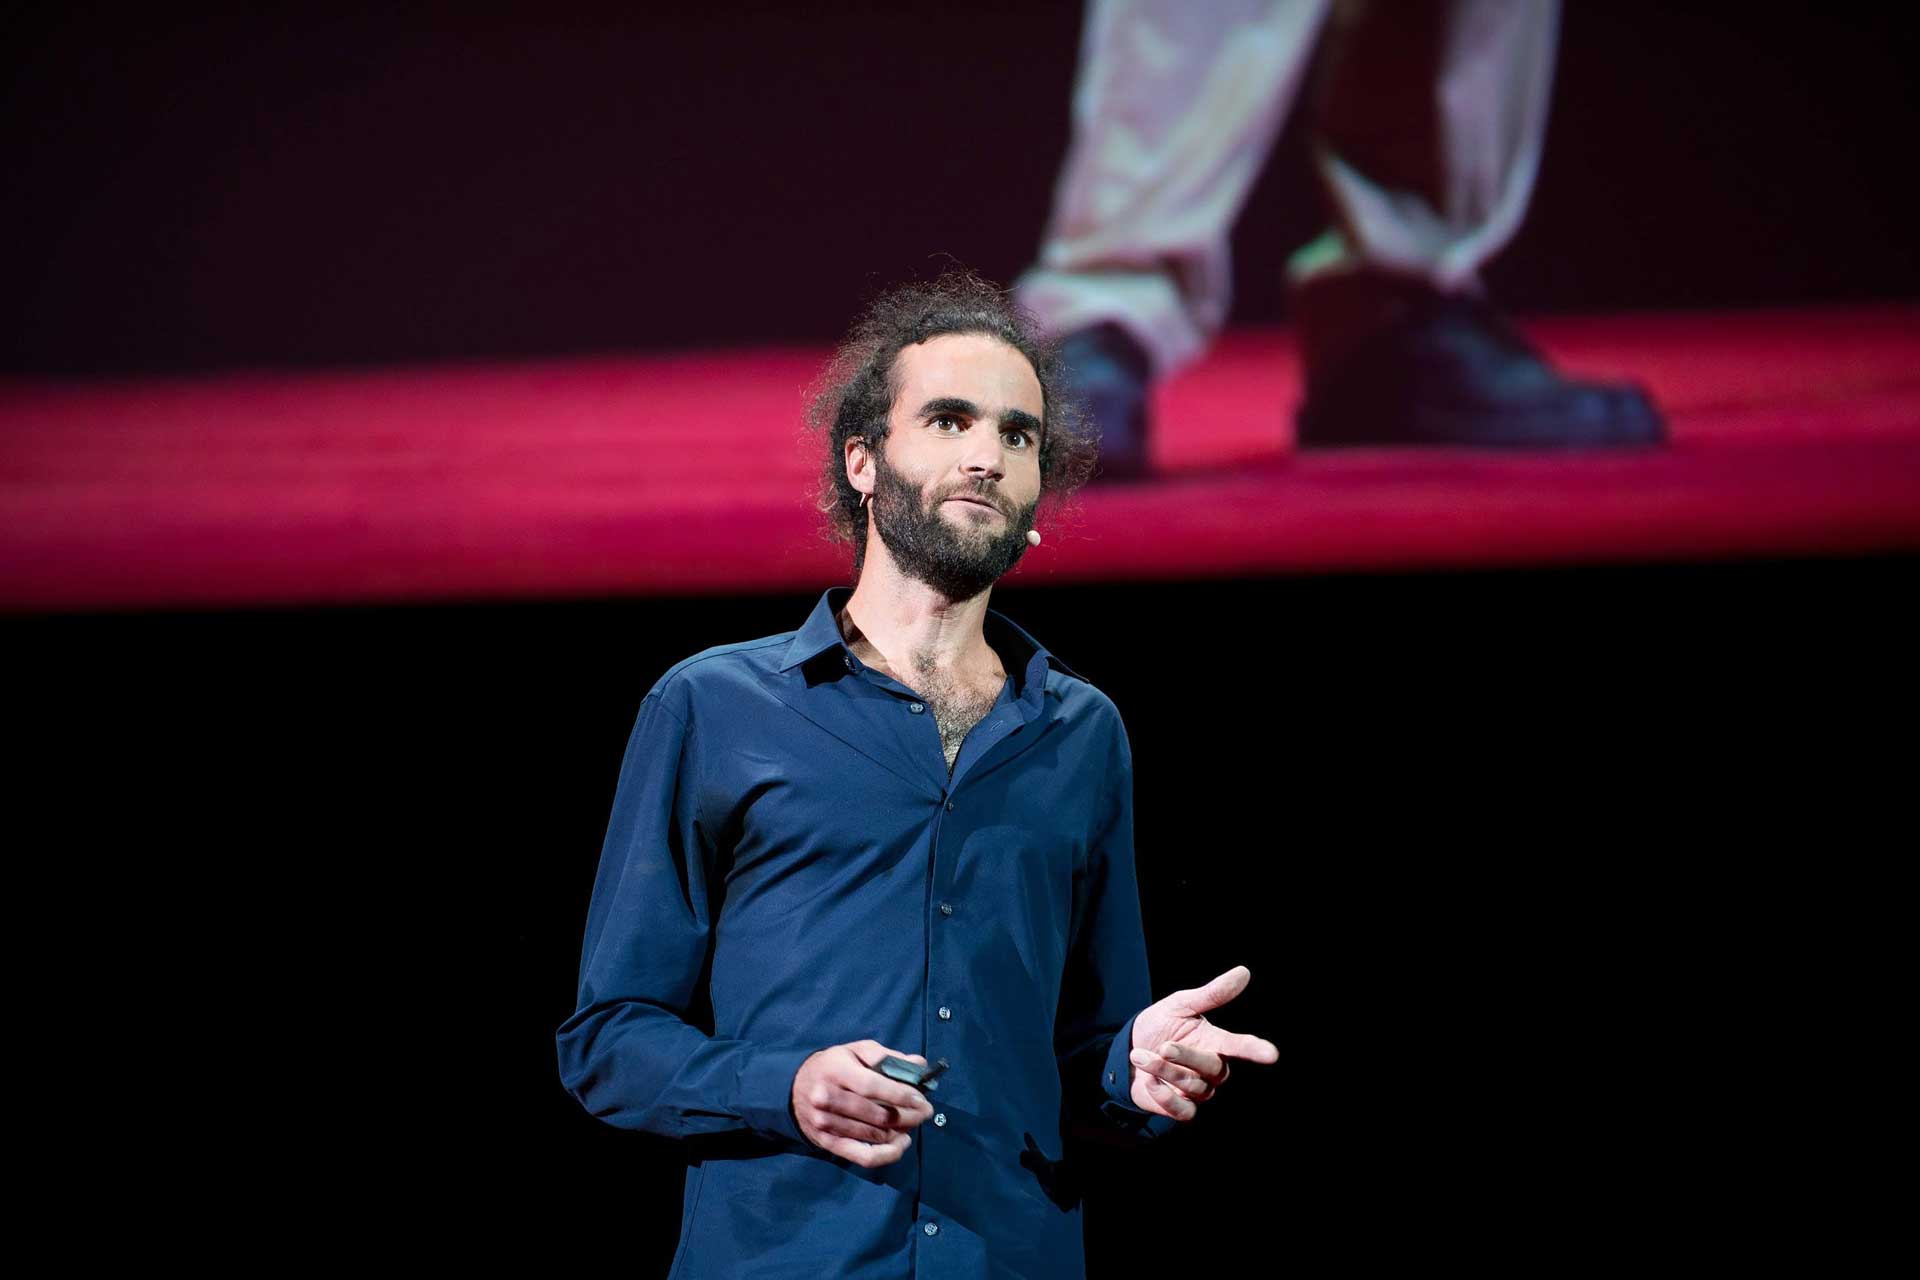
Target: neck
[(912, 626)]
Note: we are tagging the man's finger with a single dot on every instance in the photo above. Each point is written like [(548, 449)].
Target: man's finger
[(1170, 1099), (829, 1091), (1189, 1082), (845, 1102), (834, 1123), (868, 1155), (869, 1083), (1219, 991), (871, 1051), (1147, 1101), (1252, 1048), (1203, 1062)]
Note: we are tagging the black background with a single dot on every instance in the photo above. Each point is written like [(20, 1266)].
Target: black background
[(1554, 885)]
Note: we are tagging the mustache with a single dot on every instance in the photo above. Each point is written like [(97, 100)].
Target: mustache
[(978, 494)]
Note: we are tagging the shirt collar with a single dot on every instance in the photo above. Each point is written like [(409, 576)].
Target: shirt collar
[(1021, 651)]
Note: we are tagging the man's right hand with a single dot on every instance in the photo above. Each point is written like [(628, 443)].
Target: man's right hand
[(844, 1105)]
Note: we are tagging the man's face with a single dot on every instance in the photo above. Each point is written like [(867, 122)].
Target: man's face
[(958, 478)]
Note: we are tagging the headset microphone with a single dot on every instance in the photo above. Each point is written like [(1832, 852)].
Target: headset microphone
[(1033, 537)]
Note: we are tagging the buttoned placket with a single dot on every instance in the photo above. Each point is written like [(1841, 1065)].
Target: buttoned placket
[(1007, 715), (939, 998)]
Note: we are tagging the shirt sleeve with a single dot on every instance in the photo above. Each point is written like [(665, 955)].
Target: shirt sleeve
[(1106, 981), (632, 1052)]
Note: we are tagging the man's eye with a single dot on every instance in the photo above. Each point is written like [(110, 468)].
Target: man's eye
[(946, 418), (1018, 437)]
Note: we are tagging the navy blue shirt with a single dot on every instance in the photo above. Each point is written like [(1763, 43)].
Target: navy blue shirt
[(790, 866)]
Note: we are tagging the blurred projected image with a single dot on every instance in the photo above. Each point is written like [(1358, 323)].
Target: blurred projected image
[(523, 324), (1427, 138)]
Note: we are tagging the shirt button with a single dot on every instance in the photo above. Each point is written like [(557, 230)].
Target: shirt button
[(932, 1228), (946, 908), (944, 1063), (946, 1014), (916, 707), (939, 1119), (1109, 1077), (849, 658), (949, 806)]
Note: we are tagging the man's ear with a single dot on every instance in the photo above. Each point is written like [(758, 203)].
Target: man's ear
[(858, 455)]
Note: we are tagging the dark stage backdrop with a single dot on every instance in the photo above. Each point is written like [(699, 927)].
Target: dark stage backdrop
[(1554, 887), (205, 186)]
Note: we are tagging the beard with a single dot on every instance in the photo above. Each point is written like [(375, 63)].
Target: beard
[(957, 562)]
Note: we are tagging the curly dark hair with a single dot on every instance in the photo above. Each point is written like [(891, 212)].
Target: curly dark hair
[(854, 395)]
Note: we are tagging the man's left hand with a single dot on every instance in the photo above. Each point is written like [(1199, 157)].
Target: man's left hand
[(1179, 1058)]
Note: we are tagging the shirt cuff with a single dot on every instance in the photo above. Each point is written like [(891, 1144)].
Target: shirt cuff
[(766, 1092)]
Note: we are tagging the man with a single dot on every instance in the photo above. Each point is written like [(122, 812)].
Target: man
[(903, 830), (1428, 136)]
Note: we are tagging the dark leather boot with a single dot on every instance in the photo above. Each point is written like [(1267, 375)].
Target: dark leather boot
[(1450, 370), (1109, 372)]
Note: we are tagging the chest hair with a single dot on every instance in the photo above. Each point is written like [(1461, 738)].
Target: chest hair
[(956, 709)]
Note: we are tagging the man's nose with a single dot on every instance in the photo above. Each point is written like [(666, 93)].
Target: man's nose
[(985, 457)]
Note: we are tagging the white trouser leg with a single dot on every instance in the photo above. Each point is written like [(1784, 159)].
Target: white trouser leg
[(1175, 107), (1431, 132)]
